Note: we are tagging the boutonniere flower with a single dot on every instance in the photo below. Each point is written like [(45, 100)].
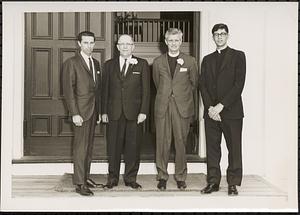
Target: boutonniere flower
[(133, 61), (98, 72), (180, 61)]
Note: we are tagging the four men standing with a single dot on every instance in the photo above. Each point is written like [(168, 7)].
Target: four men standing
[(125, 95)]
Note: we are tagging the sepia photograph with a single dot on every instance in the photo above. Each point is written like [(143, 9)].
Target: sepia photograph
[(149, 106)]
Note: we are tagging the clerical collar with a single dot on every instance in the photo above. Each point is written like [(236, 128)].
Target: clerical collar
[(173, 55), (223, 50)]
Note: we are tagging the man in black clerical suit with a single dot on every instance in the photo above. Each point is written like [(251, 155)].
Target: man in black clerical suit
[(125, 103), (221, 84)]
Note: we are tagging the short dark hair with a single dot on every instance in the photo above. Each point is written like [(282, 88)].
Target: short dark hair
[(85, 33), (219, 26)]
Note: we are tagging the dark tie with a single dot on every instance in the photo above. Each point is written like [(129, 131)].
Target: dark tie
[(123, 69), (91, 68)]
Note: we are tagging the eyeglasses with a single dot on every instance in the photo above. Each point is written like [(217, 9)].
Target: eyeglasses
[(223, 34), (125, 44)]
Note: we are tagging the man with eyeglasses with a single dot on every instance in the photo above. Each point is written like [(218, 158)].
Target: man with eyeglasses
[(125, 103), (221, 84), (175, 76)]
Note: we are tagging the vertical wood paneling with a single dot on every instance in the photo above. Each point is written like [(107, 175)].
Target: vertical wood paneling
[(65, 127), (64, 54), (83, 24), (41, 73), (42, 26), (99, 54), (68, 25), (41, 125), (97, 24)]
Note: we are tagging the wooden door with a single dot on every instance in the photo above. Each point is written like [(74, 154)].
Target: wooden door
[(50, 39)]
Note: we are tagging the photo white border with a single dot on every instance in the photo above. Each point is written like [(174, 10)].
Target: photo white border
[(11, 113)]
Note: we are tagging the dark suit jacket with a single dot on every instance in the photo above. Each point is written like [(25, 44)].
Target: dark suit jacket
[(181, 86), (132, 95), (81, 93), (226, 86)]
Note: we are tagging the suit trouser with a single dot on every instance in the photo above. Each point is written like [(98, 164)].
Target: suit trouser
[(232, 130), (83, 149), (172, 121), (123, 135)]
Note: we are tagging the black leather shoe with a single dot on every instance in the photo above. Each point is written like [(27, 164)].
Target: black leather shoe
[(83, 190), (232, 191), (133, 185), (162, 184), (210, 188), (111, 184), (181, 185), (92, 184)]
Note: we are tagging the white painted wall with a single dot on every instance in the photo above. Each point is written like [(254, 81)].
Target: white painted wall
[(246, 33), (266, 32), (268, 36)]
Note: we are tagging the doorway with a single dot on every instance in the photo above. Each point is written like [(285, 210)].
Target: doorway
[(50, 38)]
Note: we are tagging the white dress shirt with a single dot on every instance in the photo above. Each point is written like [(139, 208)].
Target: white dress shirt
[(122, 60), (86, 59)]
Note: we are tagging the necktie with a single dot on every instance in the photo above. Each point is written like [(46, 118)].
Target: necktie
[(123, 69), (91, 68)]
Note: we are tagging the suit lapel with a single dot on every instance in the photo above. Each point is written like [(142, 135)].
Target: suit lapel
[(84, 64), (214, 64), (129, 69), (177, 68), (166, 64), (116, 67), (97, 68)]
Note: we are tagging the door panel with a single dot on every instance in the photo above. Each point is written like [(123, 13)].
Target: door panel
[(50, 40)]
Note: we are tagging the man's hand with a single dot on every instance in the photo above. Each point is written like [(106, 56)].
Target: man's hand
[(141, 118), (77, 120), (213, 111), (99, 119), (105, 118), (216, 117)]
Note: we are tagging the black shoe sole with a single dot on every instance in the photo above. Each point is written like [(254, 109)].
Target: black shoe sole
[(215, 190), (84, 194)]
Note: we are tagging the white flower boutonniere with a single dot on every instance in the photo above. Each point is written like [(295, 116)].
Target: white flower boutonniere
[(98, 72), (133, 61), (180, 61)]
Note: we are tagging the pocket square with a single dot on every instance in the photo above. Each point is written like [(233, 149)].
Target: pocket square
[(183, 69), (136, 73)]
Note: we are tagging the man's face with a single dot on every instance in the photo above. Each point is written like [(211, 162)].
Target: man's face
[(220, 37), (125, 46), (87, 44), (173, 42)]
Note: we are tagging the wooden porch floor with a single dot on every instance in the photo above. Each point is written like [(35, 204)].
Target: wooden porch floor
[(255, 192), (44, 186)]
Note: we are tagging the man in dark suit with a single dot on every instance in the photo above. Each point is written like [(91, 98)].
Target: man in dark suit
[(126, 97), (175, 75), (81, 86), (221, 83)]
